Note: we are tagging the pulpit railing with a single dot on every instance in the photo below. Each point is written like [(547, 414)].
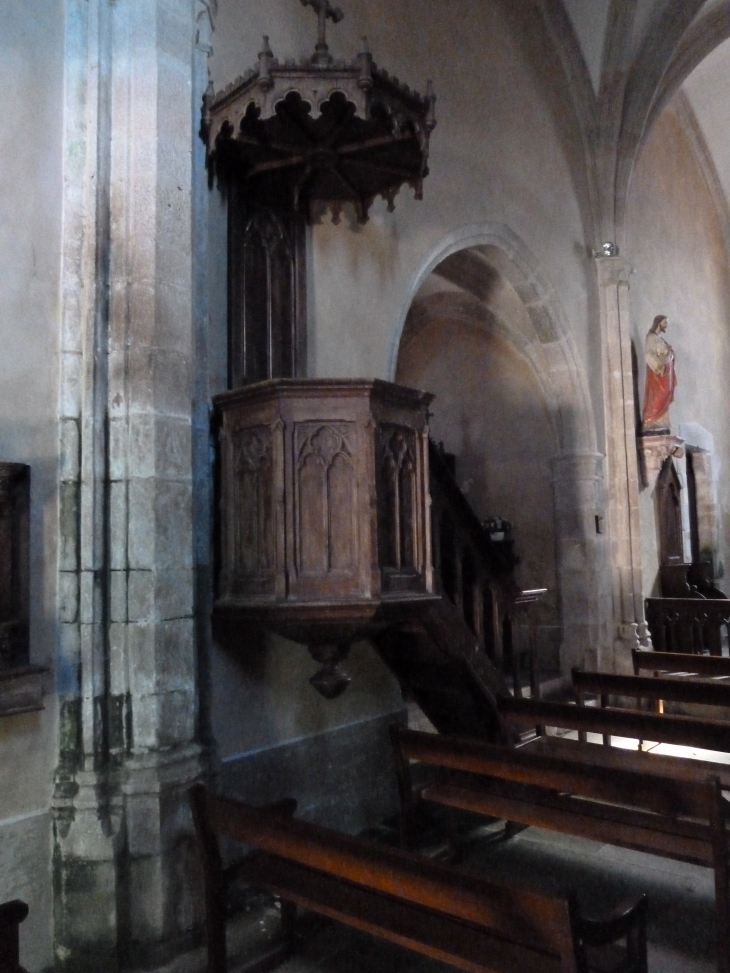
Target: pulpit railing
[(695, 625), (476, 573)]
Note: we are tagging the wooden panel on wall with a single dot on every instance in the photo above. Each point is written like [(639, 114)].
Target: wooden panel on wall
[(14, 563), (267, 293)]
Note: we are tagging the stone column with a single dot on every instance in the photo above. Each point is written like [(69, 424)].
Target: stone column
[(630, 629), (581, 557), (125, 864)]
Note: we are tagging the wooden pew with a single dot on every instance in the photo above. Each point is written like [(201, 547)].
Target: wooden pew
[(607, 684), (637, 808), (702, 666), (11, 915), (689, 731), (438, 910)]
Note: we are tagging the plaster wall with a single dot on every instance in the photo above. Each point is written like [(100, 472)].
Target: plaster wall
[(502, 154), (31, 91), (589, 19), (499, 154), (490, 412), (676, 245)]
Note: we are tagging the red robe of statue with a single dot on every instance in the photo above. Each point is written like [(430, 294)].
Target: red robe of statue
[(659, 391)]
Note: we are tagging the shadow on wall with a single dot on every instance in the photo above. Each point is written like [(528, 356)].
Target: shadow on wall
[(484, 334), (490, 411)]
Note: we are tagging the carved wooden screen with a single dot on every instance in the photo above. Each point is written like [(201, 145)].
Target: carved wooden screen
[(267, 293), (669, 515)]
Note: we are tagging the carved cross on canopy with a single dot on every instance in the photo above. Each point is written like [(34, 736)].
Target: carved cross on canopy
[(324, 9)]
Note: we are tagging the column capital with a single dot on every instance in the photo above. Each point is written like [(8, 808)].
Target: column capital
[(577, 466), (654, 452), (612, 271)]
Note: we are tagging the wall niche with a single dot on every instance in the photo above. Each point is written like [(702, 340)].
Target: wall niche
[(21, 688)]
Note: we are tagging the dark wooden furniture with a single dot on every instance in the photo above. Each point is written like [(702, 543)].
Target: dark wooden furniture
[(338, 520), (14, 563), (324, 513), (686, 731), (688, 625), (437, 910), (684, 819), (267, 297), (669, 515), (11, 915), (656, 688), (302, 136), (476, 573), (682, 664), (21, 687)]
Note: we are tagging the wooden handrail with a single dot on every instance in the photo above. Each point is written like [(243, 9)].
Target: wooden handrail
[(477, 574)]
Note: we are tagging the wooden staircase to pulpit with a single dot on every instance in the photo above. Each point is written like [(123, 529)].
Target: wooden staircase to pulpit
[(339, 520)]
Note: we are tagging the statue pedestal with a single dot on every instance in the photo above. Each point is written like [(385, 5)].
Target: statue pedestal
[(655, 448)]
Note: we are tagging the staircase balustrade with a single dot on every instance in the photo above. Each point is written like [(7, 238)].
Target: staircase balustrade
[(476, 573), (693, 625)]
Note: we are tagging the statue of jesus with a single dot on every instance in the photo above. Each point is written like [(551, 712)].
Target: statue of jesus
[(661, 379)]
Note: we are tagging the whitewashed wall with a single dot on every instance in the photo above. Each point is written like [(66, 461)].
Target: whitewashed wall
[(31, 108)]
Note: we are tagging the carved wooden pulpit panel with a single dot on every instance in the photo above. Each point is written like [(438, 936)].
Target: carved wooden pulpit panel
[(324, 506)]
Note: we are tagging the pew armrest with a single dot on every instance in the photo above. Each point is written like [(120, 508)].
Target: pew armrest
[(11, 915), (598, 938)]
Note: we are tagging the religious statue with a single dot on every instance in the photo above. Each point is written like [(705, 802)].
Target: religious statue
[(661, 379)]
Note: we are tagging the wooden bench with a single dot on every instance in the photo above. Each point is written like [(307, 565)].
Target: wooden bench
[(632, 808), (702, 666), (438, 910), (11, 915), (688, 731), (658, 689)]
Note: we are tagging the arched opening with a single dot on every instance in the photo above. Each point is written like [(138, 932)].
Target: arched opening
[(509, 405)]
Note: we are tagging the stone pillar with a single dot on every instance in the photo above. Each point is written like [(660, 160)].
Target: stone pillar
[(581, 557), (630, 629), (125, 864)]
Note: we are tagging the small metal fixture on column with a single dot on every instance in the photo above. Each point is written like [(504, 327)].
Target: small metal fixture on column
[(321, 132)]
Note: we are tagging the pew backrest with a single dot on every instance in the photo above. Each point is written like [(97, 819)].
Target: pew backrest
[(704, 666), (683, 730), (653, 791), (605, 684)]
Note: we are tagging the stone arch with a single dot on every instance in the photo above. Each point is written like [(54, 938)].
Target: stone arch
[(482, 284), (545, 342)]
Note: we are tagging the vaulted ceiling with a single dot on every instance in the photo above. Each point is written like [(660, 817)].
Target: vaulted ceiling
[(649, 50), (624, 61)]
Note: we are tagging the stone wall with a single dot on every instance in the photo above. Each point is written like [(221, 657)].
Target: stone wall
[(678, 250), (31, 107)]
